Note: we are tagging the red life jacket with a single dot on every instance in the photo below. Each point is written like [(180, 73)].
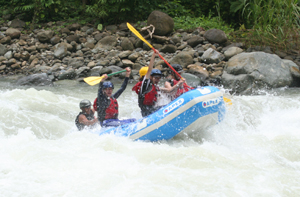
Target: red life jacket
[(181, 90), (112, 111), (150, 97), (137, 87), (95, 104)]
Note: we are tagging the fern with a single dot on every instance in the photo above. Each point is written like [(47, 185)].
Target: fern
[(25, 8)]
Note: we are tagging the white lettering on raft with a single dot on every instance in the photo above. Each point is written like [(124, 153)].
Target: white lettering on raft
[(173, 106), (211, 102)]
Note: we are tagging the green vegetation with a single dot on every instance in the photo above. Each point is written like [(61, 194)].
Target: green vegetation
[(273, 23), (190, 23)]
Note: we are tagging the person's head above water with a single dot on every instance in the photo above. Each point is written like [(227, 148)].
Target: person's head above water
[(85, 104), (155, 76), (108, 88), (178, 69)]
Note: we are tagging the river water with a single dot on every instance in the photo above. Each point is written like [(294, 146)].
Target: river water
[(255, 151)]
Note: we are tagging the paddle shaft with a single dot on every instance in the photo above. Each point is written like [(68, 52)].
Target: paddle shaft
[(116, 72), (144, 40), (161, 57)]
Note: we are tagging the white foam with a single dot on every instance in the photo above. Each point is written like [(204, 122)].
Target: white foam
[(253, 152)]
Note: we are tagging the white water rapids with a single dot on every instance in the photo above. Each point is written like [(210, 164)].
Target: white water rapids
[(255, 151)]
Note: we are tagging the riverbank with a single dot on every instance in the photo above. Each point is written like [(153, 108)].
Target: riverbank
[(77, 51)]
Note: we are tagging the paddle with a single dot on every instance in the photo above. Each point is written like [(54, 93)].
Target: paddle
[(144, 40), (227, 101), (131, 28), (95, 80)]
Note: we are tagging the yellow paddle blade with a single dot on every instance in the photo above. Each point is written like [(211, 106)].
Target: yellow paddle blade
[(227, 101), (138, 35), (92, 80)]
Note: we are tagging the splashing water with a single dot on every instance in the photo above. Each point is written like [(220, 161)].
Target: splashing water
[(255, 151)]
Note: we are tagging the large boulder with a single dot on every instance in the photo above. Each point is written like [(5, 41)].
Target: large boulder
[(5, 40), (60, 50), (54, 40), (211, 56), (76, 62), (83, 71), (246, 73), (41, 79), (215, 36), (106, 43), (168, 48), (195, 40), (295, 72), (183, 58), (199, 71), (17, 23), (126, 44), (232, 51), (74, 27), (123, 54), (162, 22), (66, 74), (45, 36), (13, 33), (3, 49), (191, 80), (74, 38)]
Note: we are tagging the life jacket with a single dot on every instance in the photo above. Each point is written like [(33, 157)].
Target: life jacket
[(81, 126), (150, 97), (146, 101), (180, 90), (95, 104), (112, 111), (137, 87)]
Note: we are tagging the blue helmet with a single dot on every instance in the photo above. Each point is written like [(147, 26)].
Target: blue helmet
[(155, 72), (108, 84)]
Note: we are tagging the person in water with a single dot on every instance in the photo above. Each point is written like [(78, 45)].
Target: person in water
[(147, 88), (86, 117), (174, 81), (107, 104)]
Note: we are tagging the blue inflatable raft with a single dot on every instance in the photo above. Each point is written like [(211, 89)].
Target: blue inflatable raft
[(195, 109)]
